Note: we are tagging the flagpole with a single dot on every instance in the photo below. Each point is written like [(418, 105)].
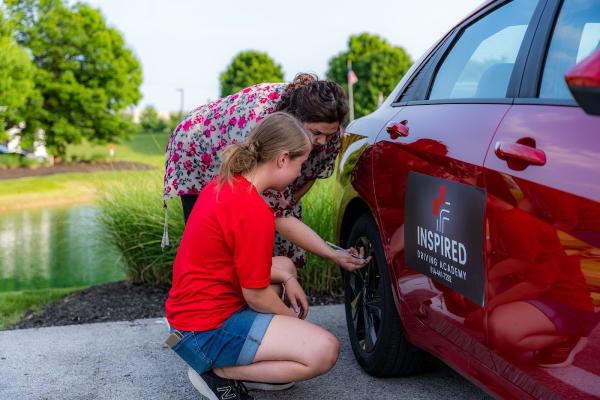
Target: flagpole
[(350, 92)]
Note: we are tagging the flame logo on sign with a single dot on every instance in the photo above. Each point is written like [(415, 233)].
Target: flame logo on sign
[(439, 211)]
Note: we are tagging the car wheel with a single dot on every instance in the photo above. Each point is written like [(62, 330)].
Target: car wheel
[(375, 330)]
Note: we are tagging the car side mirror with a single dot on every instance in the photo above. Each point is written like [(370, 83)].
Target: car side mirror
[(584, 82)]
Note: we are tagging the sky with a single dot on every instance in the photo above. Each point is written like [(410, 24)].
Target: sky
[(188, 43)]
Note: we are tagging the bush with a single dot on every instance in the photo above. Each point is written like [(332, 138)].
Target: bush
[(12, 160), (132, 213), (8, 161), (150, 122), (14, 305), (320, 275), (85, 153)]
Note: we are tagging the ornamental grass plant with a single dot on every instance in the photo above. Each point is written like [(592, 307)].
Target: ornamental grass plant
[(133, 215)]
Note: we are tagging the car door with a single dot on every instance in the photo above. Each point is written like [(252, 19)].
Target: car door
[(543, 218), (429, 172)]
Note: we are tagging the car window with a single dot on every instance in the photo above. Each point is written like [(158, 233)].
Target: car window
[(416, 89), (480, 63), (576, 35)]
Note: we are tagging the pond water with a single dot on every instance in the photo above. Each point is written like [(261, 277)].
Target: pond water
[(56, 247)]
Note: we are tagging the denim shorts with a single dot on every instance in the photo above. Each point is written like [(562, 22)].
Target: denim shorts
[(567, 320), (233, 343)]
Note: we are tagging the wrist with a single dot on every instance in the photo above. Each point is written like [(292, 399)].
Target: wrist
[(331, 254)]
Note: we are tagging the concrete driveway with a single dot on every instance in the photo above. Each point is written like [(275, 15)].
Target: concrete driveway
[(127, 360)]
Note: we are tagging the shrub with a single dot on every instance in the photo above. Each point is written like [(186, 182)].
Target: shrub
[(133, 216), (12, 160), (86, 153), (320, 275), (8, 161), (30, 162), (132, 213)]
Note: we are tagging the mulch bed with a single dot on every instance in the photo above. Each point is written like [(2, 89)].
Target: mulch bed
[(72, 167), (118, 301)]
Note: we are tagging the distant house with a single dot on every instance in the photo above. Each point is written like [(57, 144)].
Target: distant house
[(13, 145)]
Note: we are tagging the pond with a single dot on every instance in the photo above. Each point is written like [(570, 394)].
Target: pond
[(56, 247)]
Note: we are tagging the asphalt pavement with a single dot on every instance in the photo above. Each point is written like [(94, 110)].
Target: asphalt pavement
[(128, 360)]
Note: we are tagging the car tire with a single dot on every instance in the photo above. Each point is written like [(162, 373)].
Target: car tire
[(385, 351)]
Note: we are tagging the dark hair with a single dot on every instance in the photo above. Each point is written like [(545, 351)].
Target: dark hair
[(312, 100), (276, 133)]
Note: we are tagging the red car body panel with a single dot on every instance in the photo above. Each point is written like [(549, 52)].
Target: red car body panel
[(539, 165), (554, 208)]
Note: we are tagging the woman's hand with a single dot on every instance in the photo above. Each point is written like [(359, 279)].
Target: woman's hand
[(302, 236), (296, 297), (350, 259)]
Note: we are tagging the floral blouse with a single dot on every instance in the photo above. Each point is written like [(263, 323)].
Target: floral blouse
[(192, 154)]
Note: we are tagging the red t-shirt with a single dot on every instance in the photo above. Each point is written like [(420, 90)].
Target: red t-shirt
[(227, 244)]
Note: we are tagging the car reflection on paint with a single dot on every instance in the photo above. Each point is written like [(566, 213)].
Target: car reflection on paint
[(476, 189)]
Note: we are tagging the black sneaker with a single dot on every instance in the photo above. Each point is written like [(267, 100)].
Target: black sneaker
[(213, 387), (267, 386)]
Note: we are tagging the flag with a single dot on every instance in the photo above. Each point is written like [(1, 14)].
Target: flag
[(352, 78), (380, 99)]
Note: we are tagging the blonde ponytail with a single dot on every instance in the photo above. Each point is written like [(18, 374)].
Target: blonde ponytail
[(276, 133)]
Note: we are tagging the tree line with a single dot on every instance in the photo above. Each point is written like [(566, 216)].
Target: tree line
[(65, 72), (378, 65)]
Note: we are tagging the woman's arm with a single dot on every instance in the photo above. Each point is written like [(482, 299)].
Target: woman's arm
[(301, 235)]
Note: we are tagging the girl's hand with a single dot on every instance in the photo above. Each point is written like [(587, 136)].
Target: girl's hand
[(296, 297), (350, 259)]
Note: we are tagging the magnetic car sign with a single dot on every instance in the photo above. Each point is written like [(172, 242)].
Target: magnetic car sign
[(443, 233)]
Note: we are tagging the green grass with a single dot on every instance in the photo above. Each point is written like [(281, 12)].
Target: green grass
[(147, 148), (84, 186), (44, 190), (59, 182), (133, 216), (134, 220), (14, 305), (131, 204), (8, 161), (62, 188), (320, 275)]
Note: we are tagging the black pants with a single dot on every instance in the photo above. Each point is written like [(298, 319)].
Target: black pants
[(187, 202)]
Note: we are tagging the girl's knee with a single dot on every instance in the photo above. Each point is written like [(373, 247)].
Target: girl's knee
[(502, 336), (285, 264), (325, 354)]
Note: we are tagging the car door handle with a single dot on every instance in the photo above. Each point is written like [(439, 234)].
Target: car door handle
[(397, 129), (519, 151)]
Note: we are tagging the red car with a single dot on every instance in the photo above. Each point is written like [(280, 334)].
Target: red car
[(476, 188)]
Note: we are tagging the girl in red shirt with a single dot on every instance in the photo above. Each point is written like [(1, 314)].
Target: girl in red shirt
[(228, 324)]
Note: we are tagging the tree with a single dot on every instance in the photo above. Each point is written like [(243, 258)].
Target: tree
[(150, 122), (16, 80), (377, 64), (85, 74), (175, 118), (248, 68)]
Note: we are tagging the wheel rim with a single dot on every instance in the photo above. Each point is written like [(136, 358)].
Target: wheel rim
[(366, 299)]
